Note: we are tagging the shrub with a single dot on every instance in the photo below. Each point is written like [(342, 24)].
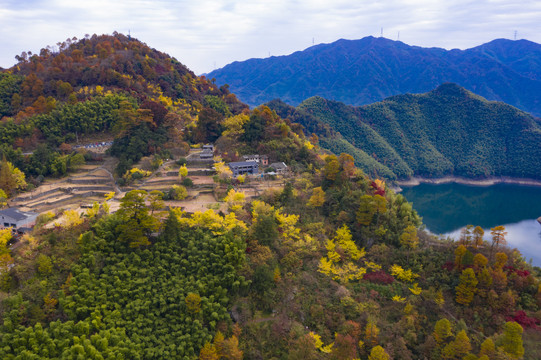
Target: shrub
[(181, 161), (379, 277), (187, 182), (524, 320), (177, 192)]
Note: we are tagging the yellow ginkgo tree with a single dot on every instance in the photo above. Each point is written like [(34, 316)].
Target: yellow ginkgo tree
[(218, 224), (343, 265), (318, 343), (235, 200)]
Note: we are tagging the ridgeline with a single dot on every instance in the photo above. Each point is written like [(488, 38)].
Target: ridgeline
[(360, 72), (446, 132)]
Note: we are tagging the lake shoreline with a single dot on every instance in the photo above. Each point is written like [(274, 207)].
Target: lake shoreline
[(414, 181), (447, 206)]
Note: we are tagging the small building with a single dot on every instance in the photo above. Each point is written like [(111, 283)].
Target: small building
[(244, 167), (16, 219), (206, 154), (261, 159), (251, 158), (279, 167)]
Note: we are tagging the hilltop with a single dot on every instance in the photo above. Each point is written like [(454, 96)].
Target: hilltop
[(108, 86), (359, 72)]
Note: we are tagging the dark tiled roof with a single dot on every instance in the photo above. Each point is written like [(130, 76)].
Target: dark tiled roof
[(278, 165), (15, 214), (243, 163)]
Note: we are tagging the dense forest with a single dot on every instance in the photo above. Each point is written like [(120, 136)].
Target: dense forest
[(332, 264), (367, 70), (448, 131)]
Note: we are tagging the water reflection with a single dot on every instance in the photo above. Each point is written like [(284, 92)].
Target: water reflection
[(524, 235), (446, 208)]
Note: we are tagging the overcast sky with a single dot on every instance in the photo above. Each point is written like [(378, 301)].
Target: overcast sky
[(208, 34)]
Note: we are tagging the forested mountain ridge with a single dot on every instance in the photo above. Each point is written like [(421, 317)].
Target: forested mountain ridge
[(332, 140), (448, 131), (324, 263), (359, 72)]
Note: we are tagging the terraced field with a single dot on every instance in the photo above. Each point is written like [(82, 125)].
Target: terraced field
[(88, 185), (93, 181)]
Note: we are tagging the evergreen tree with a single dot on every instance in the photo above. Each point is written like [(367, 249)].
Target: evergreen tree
[(137, 223), (498, 236), (265, 229)]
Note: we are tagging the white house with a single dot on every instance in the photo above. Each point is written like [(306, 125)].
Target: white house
[(16, 219)]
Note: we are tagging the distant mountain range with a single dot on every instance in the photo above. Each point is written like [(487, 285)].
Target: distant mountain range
[(448, 131), (359, 72)]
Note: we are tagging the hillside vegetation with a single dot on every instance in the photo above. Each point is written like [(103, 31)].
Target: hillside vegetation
[(330, 264), (359, 72), (334, 266), (448, 131)]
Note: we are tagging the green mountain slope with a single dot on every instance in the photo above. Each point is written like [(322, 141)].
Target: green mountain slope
[(448, 131), (330, 139)]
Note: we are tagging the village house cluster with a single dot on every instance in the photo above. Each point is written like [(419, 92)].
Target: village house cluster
[(251, 164)]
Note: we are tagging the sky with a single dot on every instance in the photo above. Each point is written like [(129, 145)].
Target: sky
[(209, 34)]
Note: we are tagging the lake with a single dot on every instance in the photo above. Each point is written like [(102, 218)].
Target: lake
[(446, 208)]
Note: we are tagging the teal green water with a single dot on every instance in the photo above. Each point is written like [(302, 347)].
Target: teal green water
[(446, 208)]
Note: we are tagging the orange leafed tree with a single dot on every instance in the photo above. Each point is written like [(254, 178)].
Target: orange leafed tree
[(498, 236)]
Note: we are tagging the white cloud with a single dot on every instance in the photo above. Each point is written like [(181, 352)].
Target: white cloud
[(201, 33)]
